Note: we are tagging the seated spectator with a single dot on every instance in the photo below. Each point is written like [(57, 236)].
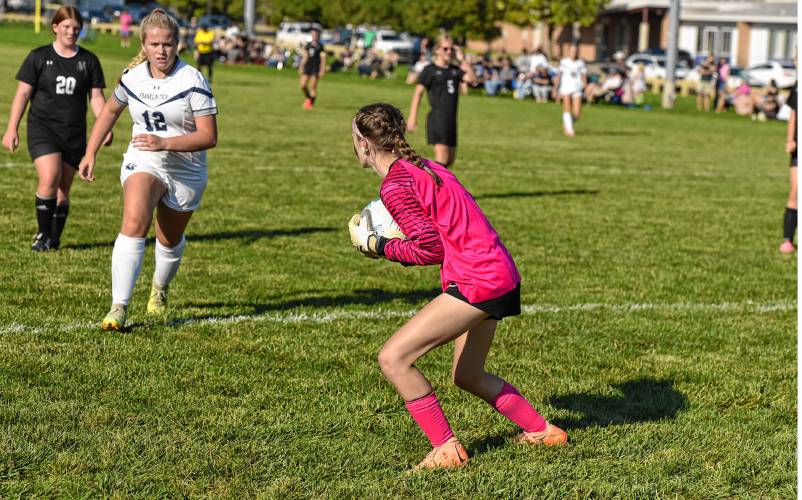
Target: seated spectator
[(508, 75), (493, 82), (541, 84), (743, 102), (771, 103)]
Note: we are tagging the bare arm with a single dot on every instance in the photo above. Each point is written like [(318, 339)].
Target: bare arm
[(412, 120), (469, 77), (103, 124), (204, 137), (790, 143), (18, 105), (322, 64), (97, 100)]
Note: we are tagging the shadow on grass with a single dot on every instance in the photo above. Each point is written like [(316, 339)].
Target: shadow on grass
[(248, 235), (615, 133), (641, 400), (368, 296), (537, 194)]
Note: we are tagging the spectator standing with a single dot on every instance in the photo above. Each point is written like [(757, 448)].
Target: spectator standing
[(126, 19), (706, 88), (204, 44)]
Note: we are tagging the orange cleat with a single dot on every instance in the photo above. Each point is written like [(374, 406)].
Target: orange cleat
[(552, 436), (308, 104), (448, 455)]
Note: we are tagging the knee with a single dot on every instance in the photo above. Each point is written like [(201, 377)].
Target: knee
[(389, 362), (466, 379), (135, 225)]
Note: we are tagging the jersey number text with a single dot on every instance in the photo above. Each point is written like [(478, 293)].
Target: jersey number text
[(65, 85), (158, 121)]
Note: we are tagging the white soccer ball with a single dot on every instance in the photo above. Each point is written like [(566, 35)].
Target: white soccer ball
[(375, 217)]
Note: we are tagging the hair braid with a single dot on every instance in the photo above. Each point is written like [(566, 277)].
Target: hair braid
[(384, 125)]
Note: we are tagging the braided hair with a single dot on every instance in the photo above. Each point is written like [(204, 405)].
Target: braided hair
[(384, 125)]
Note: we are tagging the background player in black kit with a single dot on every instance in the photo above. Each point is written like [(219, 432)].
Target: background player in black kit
[(789, 222), (442, 81), (57, 79), (312, 68)]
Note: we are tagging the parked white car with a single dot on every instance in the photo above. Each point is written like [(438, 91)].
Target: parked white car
[(292, 35), (388, 40), (782, 72), (655, 66)]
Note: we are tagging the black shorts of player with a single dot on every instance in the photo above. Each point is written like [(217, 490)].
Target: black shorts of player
[(499, 308), (43, 141), (793, 159), (206, 59), (311, 69), (441, 129)]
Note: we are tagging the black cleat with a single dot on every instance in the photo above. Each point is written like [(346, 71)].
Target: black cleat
[(41, 243)]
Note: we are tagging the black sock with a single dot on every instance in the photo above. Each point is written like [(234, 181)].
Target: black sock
[(59, 221), (789, 226), (45, 208), (306, 93)]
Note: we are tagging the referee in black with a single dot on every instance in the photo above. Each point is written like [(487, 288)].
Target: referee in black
[(57, 79), (441, 80), (312, 68)]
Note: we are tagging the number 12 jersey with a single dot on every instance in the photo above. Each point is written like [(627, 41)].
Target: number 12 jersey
[(166, 107)]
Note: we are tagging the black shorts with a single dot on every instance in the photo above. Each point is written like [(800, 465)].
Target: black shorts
[(206, 59), (793, 159), (43, 141), (499, 308), (441, 129), (311, 69)]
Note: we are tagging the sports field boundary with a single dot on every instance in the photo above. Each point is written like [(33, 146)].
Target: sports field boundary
[(332, 315)]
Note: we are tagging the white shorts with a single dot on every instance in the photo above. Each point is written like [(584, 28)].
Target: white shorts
[(184, 189), (570, 91)]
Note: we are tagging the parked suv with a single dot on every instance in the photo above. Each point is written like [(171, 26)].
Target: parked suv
[(291, 35), (655, 66)]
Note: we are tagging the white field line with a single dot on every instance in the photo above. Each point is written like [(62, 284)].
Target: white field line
[(291, 317), (600, 171)]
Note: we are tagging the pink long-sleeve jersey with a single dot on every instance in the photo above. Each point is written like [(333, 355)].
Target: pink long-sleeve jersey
[(444, 225)]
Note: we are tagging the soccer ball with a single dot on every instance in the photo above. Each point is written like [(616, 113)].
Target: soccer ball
[(375, 217)]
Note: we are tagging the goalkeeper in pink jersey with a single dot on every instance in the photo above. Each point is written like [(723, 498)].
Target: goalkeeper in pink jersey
[(481, 285)]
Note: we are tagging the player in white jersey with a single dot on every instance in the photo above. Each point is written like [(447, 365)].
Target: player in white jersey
[(165, 166), (569, 85)]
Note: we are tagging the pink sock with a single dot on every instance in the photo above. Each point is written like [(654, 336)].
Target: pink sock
[(515, 407), (429, 416)]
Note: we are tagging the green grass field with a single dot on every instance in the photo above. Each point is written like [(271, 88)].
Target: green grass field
[(659, 324)]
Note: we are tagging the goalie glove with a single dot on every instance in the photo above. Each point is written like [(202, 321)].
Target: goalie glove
[(364, 240)]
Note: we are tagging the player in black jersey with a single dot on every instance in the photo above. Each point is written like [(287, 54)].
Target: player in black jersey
[(56, 79), (789, 224), (312, 68), (441, 80)]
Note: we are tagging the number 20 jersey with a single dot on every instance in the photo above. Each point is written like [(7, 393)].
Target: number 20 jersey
[(166, 107)]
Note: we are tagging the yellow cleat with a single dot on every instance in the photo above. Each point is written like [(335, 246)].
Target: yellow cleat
[(115, 319), (157, 304)]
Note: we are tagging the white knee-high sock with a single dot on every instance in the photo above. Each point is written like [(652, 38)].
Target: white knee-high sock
[(167, 261), (568, 122), (126, 261)]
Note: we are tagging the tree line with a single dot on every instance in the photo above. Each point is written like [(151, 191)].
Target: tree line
[(477, 19)]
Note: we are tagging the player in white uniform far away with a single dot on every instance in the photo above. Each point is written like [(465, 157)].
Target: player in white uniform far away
[(569, 86), (173, 111)]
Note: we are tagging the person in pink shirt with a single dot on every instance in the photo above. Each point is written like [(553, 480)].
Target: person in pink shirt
[(125, 28), (480, 282)]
